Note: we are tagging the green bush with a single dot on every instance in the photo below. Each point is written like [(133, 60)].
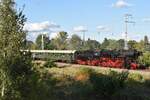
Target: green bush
[(86, 71), (136, 77), (147, 83), (42, 86), (83, 74), (50, 64), (145, 59), (132, 93), (78, 90), (108, 85)]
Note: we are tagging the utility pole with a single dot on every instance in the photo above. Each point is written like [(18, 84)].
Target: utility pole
[(42, 42), (99, 36), (83, 38), (127, 21)]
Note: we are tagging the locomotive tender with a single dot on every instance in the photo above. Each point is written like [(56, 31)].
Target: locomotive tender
[(106, 58)]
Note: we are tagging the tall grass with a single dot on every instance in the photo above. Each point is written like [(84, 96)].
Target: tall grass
[(88, 84)]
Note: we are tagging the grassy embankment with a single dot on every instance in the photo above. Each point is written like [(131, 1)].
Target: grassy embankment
[(78, 83)]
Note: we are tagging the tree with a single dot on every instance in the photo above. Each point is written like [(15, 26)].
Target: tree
[(140, 46), (75, 43), (145, 59), (46, 41), (146, 43), (15, 66), (91, 45), (120, 44), (132, 44), (105, 43), (112, 44), (30, 45), (60, 42)]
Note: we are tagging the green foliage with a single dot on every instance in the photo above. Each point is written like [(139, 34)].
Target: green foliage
[(145, 59), (136, 77), (15, 66), (147, 83), (112, 44), (108, 85), (83, 74), (42, 86), (91, 45), (132, 93), (146, 41), (85, 71), (132, 44), (140, 46), (120, 44), (60, 42), (45, 40), (135, 80), (30, 45), (70, 89), (61, 84), (75, 43), (50, 64), (105, 44)]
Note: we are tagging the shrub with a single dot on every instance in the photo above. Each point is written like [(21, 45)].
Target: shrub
[(83, 74), (108, 85), (80, 90), (145, 59), (147, 83), (42, 86), (132, 93), (50, 64), (136, 77)]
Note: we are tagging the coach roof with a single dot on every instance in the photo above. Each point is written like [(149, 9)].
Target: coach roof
[(52, 51)]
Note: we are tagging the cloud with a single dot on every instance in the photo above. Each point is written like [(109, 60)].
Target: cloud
[(53, 35), (123, 36), (43, 26), (33, 36), (121, 4), (80, 29), (132, 36), (146, 19), (101, 28)]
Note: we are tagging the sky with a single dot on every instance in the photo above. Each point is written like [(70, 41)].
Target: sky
[(96, 18)]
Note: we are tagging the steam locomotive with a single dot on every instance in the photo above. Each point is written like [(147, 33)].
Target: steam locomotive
[(110, 58), (107, 58)]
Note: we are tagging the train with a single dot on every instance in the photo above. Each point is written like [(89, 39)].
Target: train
[(126, 59)]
